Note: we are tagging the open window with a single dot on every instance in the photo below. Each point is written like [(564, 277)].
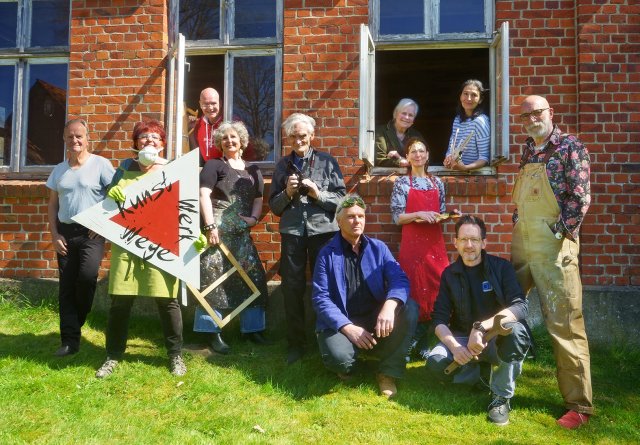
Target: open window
[(234, 46), (431, 74)]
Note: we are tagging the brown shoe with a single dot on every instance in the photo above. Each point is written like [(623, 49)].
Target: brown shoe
[(387, 385)]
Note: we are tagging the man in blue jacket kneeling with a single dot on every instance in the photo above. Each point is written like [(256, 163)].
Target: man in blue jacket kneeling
[(361, 298)]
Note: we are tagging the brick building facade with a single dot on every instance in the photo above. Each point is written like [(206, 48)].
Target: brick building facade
[(582, 55)]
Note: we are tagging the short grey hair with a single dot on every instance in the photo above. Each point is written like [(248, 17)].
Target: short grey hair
[(77, 121), (298, 118), (238, 127), (404, 103)]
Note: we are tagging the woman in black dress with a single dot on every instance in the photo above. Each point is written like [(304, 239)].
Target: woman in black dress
[(230, 204)]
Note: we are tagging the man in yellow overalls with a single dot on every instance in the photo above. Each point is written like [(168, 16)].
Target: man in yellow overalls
[(552, 195)]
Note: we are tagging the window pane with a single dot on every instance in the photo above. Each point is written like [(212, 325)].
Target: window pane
[(8, 24), (255, 18), (200, 19), (50, 23), (254, 101), (462, 16), (7, 74), (47, 111), (401, 17)]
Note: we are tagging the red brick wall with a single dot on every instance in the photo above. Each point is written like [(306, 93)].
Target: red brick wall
[(583, 56), (609, 123), (117, 68)]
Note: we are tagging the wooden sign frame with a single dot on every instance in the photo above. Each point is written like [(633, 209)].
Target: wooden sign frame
[(236, 267)]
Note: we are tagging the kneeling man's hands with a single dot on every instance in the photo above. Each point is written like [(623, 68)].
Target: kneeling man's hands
[(462, 355), (386, 318), (359, 336), (476, 342)]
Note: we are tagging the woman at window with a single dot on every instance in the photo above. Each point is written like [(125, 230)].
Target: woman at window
[(418, 204), (470, 135), (75, 185), (230, 204), (392, 138), (130, 276)]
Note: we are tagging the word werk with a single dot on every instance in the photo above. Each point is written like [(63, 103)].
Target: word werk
[(156, 220)]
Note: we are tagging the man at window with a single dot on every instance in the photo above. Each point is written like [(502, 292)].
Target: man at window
[(305, 191), (206, 125)]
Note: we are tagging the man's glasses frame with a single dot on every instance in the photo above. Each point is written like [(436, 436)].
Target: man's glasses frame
[(535, 113)]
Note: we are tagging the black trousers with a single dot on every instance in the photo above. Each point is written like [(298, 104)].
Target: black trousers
[(78, 272), (295, 252), (118, 324)]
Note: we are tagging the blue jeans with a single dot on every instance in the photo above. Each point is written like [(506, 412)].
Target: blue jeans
[(505, 353), (252, 319)]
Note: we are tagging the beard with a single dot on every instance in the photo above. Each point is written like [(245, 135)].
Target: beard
[(537, 130)]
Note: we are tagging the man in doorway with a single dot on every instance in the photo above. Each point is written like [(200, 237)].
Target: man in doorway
[(475, 291), (206, 125), (361, 298), (552, 195), (305, 189)]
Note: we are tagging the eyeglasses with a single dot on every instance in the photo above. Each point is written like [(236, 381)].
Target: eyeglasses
[(474, 241), (535, 113), (353, 201), (208, 104), (150, 137)]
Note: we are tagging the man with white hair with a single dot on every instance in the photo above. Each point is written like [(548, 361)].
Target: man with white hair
[(306, 187)]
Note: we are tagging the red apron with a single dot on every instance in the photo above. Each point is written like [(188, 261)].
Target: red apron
[(423, 255)]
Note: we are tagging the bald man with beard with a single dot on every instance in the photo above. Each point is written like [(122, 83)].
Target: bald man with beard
[(552, 194)]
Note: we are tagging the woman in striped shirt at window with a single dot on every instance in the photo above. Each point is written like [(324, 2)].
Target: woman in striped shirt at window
[(470, 135)]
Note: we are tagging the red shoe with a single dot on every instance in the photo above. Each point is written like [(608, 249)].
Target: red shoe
[(572, 420)]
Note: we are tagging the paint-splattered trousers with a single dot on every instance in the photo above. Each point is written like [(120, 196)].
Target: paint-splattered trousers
[(551, 265)]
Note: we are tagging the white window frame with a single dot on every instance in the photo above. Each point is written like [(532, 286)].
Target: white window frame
[(431, 24), (367, 129), (227, 29), (231, 48), (498, 72), (22, 57)]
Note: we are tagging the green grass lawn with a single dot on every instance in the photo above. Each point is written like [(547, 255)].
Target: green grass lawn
[(252, 396)]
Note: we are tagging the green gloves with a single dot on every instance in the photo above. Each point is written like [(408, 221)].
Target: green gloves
[(116, 193), (201, 243)]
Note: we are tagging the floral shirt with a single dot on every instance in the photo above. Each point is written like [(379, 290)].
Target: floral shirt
[(568, 171), (401, 192)]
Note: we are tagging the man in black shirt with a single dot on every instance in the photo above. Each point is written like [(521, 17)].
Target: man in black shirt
[(473, 290)]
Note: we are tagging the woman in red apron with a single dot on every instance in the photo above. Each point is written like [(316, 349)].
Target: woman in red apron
[(417, 202)]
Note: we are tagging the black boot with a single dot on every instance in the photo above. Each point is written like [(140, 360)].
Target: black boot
[(218, 344)]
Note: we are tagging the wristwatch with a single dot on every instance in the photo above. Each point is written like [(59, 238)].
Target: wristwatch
[(478, 327)]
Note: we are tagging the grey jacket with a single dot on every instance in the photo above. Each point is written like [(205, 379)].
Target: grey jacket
[(303, 215)]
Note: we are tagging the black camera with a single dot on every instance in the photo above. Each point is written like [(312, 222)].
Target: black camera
[(292, 169)]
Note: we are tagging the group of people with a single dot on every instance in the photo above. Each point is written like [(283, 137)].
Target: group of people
[(364, 300), (468, 147)]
